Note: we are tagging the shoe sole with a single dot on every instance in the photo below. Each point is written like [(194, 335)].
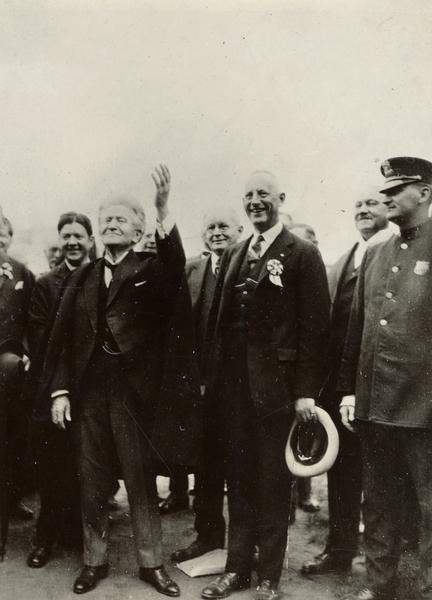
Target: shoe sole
[(213, 597)]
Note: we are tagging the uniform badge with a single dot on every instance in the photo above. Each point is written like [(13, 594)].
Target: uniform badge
[(421, 267)]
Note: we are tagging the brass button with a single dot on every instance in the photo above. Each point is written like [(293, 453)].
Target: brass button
[(383, 322), (389, 295), (404, 246), (395, 269)]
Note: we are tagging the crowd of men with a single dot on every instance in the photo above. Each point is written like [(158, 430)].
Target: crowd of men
[(141, 363)]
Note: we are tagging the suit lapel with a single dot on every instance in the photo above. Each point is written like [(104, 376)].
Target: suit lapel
[(236, 263), (197, 279), (127, 268), (278, 250)]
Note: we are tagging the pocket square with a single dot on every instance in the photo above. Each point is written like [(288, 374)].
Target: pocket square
[(19, 285), (138, 283)]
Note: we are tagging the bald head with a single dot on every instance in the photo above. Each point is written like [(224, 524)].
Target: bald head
[(221, 228), (262, 200)]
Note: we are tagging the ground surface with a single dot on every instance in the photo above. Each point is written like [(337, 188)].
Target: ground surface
[(54, 582)]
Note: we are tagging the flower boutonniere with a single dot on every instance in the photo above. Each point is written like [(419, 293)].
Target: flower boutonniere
[(6, 270), (275, 268)]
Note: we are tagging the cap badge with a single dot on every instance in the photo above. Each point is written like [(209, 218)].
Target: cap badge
[(422, 267), (387, 169)]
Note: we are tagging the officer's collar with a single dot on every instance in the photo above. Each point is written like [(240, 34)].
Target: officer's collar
[(413, 232)]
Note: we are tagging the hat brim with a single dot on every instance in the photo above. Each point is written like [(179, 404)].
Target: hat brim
[(327, 460), (393, 183)]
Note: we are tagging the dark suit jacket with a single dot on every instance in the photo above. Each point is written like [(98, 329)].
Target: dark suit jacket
[(14, 302), (340, 311), (45, 299), (288, 325), (195, 273), (141, 308)]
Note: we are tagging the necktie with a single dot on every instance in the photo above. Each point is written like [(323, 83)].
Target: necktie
[(257, 246), (217, 267), (110, 274)]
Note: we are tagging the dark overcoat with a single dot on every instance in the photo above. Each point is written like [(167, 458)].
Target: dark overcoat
[(287, 326), (15, 296), (387, 359), (149, 314)]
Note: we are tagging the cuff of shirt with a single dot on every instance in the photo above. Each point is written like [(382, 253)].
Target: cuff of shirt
[(348, 401), (58, 393), (165, 227)]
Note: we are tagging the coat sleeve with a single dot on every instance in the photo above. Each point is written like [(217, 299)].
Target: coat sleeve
[(39, 312), (348, 370), (313, 308), (170, 259)]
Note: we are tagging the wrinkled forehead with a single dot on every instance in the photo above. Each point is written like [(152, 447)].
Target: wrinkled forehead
[(117, 210), (219, 217)]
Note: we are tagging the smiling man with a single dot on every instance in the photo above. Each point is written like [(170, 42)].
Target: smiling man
[(59, 518), (269, 326), (345, 476), (387, 365), (221, 229), (108, 373)]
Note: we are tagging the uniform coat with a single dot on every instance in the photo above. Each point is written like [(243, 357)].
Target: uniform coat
[(386, 363), (388, 356)]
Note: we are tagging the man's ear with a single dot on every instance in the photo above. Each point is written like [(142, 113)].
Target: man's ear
[(240, 229), (282, 197), (425, 194)]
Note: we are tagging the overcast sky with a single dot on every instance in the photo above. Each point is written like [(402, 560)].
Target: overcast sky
[(95, 93)]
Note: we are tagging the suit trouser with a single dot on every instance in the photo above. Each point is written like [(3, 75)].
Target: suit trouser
[(17, 443), (109, 430), (259, 483), (344, 494), (57, 481), (210, 484), (391, 456)]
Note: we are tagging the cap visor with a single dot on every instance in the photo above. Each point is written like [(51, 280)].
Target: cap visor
[(393, 183)]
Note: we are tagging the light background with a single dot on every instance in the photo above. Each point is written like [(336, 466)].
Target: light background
[(95, 93)]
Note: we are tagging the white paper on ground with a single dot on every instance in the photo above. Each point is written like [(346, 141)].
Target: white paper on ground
[(211, 563)]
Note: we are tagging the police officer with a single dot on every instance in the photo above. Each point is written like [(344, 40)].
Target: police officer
[(387, 364)]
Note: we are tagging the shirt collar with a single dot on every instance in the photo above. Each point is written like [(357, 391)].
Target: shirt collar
[(215, 259), (119, 259), (380, 236), (270, 235), (72, 267)]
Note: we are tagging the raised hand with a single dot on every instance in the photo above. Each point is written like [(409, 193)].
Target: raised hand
[(162, 180)]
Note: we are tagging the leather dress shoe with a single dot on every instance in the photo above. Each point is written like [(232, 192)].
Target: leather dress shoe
[(224, 585), (325, 563), (160, 580), (20, 512), (197, 548), (267, 590), (173, 504), (88, 579), (39, 556)]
